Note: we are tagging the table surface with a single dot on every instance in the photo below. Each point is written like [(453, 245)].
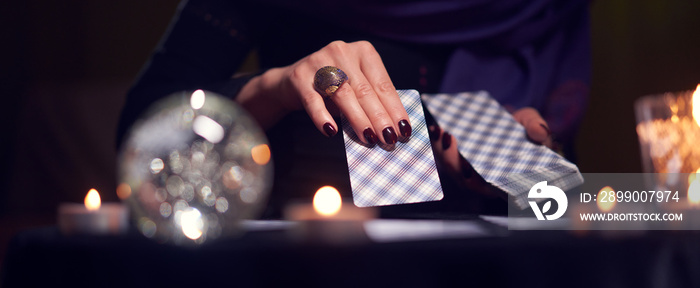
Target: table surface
[(492, 256)]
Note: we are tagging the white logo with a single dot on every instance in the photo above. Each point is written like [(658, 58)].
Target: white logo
[(540, 191)]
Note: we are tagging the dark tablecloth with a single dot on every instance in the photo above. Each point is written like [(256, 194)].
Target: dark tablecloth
[(46, 258)]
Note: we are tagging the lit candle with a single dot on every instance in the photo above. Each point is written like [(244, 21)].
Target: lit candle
[(668, 130), (694, 189), (687, 205), (92, 217), (605, 206), (328, 220), (328, 206)]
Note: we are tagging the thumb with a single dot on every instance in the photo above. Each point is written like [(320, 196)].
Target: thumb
[(535, 126)]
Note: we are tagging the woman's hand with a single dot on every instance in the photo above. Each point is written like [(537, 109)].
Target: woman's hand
[(368, 98), (536, 128), (459, 176)]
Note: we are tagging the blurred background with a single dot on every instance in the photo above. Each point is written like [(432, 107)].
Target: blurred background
[(65, 67)]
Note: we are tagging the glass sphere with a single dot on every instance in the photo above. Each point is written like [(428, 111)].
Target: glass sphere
[(196, 164)]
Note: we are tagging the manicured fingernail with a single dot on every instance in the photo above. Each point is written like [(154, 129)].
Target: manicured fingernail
[(328, 128), (446, 140), (466, 168), (434, 132), (370, 136), (405, 128), (549, 133), (389, 135)]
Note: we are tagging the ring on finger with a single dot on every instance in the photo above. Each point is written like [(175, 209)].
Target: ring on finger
[(328, 79)]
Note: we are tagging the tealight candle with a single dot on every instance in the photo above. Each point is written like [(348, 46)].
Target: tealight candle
[(328, 220), (328, 206), (92, 217), (668, 127)]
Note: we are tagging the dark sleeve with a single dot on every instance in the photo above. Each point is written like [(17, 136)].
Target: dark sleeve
[(204, 46)]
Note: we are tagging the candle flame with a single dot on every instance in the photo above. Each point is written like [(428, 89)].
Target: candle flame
[(604, 200), (693, 176), (327, 201), (92, 200), (696, 105)]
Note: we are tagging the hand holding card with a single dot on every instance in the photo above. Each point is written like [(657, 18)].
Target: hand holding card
[(402, 173)]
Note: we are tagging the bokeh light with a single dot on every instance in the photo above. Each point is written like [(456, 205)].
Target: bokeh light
[(694, 188), (604, 201), (261, 154), (327, 201), (123, 191), (197, 100), (201, 165)]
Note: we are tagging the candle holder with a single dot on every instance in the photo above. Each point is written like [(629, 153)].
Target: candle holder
[(668, 133), (73, 218), (668, 126), (92, 217), (328, 220)]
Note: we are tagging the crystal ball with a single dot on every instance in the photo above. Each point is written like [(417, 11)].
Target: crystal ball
[(196, 165)]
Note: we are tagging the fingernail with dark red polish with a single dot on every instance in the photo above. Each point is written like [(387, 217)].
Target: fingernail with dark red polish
[(549, 133), (405, 128), (434, 132), (328, 128), (389, 135), (466, 168), (370, 136), (446, 140)]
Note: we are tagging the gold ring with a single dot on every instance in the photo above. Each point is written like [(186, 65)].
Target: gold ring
[(328, 79)]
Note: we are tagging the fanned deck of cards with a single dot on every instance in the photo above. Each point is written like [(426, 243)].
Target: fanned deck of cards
[(497, 147), (487, 135)]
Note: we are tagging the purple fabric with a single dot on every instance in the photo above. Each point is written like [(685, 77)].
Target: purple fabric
[(523, 52), (444, 21)]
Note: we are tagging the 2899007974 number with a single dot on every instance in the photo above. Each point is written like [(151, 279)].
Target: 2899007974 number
[(631, 196)]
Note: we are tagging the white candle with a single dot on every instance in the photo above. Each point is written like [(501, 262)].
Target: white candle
[(328, 206), (328, 220), (92, 217)]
